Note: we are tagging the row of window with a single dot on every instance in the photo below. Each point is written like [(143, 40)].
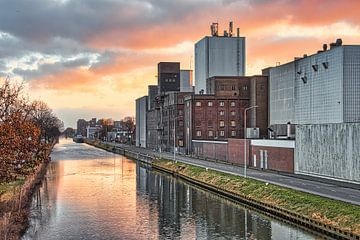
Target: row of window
[(211, 133), (210, 104), (222, 113), (233, 87), (221, 123)]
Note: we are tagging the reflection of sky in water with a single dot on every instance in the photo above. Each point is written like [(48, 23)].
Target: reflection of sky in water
[(107, 196)]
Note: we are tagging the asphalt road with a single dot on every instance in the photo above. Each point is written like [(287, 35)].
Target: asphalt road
[(329, 190)]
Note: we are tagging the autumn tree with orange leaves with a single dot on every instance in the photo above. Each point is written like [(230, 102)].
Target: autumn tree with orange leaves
[(24, 132)]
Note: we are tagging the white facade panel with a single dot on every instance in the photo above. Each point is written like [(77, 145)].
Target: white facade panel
[(201, 66), (281, 94), (141, 108), (218, 56), (351, 84), (318, 94)]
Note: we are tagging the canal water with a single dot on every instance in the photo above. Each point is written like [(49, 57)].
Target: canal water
[(92, 194)]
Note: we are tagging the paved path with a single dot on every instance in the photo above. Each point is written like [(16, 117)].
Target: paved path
[(329, 190)]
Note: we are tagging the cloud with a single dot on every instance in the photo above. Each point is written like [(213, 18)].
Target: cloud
[(110, 48)]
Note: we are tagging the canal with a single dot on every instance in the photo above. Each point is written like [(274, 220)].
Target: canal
[(92, 194)]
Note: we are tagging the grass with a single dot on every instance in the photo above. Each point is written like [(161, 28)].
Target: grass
[(7, 189), (332, 212)]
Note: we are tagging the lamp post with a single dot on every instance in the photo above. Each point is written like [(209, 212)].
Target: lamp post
[(245, 137), (175, 137)]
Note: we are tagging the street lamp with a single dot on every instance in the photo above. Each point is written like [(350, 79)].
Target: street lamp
[(175, 137), (245, 110)]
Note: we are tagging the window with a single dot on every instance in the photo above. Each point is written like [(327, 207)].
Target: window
[(233, 133), (180, 100), (232, 104), (181, 143), (221, 103), (222, 123), (210, 123), (244, 88), (221, 113), (233, 87), (198, 104), (222, 133), (233, 113), (181, 123), (198, 133), (233, 123), (210, 104), (211, 133), (180, 112)]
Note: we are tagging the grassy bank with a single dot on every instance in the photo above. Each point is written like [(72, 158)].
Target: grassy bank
[(15, 199), (331, 212)]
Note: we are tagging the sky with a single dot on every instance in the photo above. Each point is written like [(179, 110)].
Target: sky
[(92, 58)]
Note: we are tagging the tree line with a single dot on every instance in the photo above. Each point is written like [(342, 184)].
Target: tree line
[(27, 130)]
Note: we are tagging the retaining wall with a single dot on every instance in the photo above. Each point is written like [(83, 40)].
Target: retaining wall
[(329, 150)]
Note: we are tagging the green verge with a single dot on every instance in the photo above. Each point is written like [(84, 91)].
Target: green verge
[(331, 212), (7, 189)]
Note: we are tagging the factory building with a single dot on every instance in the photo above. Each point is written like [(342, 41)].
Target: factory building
[(168, 77), (217, 55), (317, 89), (141, 130)]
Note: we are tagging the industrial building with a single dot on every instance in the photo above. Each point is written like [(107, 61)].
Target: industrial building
[(317, 89), (219, 115), (152, 93), (168, 77), (186, 81), (141, 109), (217, 55)]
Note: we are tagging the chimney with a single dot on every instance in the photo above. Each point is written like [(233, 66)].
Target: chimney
[(238, 32), (230, 29)]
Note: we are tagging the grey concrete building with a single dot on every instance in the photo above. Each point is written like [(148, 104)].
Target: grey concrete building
[(317, 89), (186, 81), (141, 108), (218, 56)]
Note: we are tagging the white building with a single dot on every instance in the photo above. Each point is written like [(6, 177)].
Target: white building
[(317, 89), (141, 108), (91, 132), (218, 56)]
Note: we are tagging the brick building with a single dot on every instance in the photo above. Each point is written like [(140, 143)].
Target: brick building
[(220, 114)]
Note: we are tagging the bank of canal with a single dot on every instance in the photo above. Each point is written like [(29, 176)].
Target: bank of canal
[(92, 194), (331, 217)]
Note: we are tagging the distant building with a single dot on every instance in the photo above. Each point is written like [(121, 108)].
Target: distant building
[(168, 77), (92, 122), (317, 89), (81, 127), (218, 56), (186, 81), (92, 132), (141, 108)]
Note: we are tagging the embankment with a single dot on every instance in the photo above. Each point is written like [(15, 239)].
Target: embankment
[(15, 202), (329, 217)]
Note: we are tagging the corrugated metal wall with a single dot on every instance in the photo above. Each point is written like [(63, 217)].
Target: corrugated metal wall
[(329, 150), (281, 94), (351, 84)]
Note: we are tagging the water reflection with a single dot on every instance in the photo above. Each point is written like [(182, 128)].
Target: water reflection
[(111, 197)]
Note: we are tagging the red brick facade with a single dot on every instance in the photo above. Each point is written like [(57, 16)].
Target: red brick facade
[(278, 159)]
